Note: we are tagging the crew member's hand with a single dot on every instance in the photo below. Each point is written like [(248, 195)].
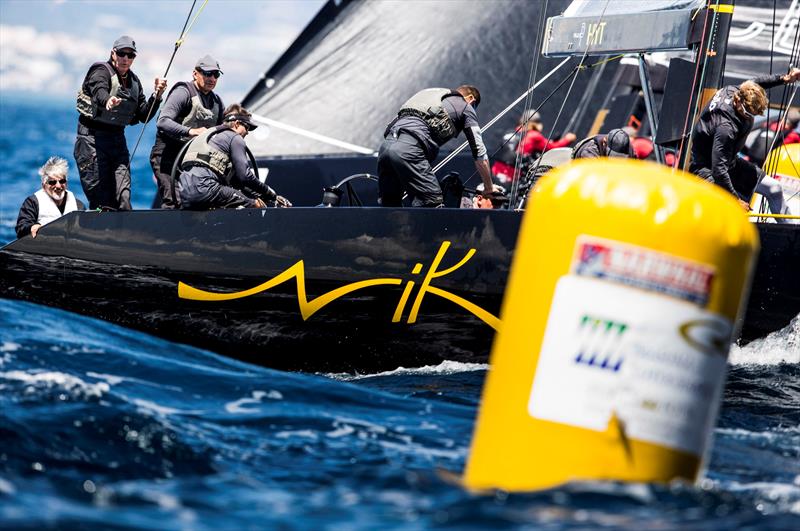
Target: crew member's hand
[(745, 205), (112, 102), (159, 86), (792, 76), (260, 204), (282, 202), (197, 131), (570, 137), (35, 229)]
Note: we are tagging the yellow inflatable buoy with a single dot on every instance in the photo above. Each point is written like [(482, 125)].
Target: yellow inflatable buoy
[(617, 319)]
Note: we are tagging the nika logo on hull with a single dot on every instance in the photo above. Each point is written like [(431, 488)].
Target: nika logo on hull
[(310, 307)]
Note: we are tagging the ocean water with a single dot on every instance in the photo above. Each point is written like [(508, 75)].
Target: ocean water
[(108, 428)]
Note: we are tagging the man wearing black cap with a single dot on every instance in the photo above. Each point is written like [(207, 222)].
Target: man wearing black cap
[(616, 143), (189, 110), (216, 172), (111, 97)]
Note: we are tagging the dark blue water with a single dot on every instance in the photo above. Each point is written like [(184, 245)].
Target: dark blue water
[(108, 428)]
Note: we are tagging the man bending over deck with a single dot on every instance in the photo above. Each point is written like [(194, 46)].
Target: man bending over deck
[(411, 143)]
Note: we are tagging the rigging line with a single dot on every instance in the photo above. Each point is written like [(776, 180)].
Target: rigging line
[(697, 84), (578, 68), (537, 49), (460, 148), (781, 124), (316, 136), (771, 71), (583, 104), (784, 105), (178, 43), (769, 166), (545, 100)]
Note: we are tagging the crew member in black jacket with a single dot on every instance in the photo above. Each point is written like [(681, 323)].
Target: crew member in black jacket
[(111, 97), (721, 131)]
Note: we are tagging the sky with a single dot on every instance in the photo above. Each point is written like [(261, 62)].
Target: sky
[(46, 46)]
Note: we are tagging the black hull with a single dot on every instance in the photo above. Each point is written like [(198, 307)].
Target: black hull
[(125, 268)]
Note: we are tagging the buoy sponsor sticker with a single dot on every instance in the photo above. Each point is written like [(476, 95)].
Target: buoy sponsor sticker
[(644, 269), (655, 364)]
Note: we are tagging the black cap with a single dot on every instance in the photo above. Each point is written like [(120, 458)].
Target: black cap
[(241, 118), (125, 42), (619, 143), (207, 63)]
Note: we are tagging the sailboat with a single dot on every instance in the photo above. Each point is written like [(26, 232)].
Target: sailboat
[(353, 287)]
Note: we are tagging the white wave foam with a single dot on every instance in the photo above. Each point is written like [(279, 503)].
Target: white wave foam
[(9, 346), (785, 496), (255, 398), (6, 487), (110, 378), (778, 347), (305, 434), (146, 406), (446, 367), (48, 380), (768, 437)]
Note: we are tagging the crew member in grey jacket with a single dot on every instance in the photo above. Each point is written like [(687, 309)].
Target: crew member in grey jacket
[(428, 120), (189, 110)]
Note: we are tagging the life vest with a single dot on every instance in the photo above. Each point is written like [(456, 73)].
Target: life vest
[(122, 114), (200, 153), (199, 115), (48, 211), (427, 104)]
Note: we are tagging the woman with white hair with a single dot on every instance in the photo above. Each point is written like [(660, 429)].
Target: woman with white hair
[(49, 203)]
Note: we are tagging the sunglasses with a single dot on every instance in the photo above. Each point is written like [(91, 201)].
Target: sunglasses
[(247, 126), (52, 182), (212, 73), (130, 55)]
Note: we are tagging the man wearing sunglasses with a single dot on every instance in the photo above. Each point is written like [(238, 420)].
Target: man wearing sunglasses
[(49, 203), (428, 120), (111, 98), (190, 108), (721, 132), (216, 171)]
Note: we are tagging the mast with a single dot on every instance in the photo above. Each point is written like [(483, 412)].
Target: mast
[(710, 60)]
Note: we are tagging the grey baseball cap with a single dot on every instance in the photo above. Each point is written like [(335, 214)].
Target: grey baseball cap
[(207, 63), (125, 42)]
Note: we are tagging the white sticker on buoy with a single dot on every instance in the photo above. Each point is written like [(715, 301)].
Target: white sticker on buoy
[(654, 361)]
